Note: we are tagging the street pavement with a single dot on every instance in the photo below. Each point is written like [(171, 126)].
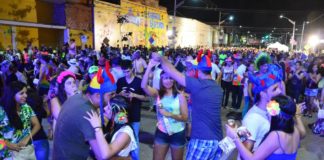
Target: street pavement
[(311, 148)]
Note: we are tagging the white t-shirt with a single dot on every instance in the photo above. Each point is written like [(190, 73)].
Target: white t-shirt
[(257, 121), (117, 72), (139, 65), (131, 146), (241, 70), (215, 70)]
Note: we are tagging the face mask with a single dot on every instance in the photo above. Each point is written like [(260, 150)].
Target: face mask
[(121, 116)]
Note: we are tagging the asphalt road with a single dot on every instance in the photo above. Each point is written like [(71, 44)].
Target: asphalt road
[(312, 147)]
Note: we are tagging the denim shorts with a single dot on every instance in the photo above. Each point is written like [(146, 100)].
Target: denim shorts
[(176, 140)]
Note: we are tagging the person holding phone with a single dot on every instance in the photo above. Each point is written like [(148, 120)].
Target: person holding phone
[(130, 88)]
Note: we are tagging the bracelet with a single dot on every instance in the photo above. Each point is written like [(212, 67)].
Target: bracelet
[(97, 129)]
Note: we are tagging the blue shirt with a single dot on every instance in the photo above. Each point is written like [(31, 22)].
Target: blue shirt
[(206, 97)]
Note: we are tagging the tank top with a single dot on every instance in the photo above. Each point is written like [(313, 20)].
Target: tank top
[(282, 156), (228, 74), (166, 124)]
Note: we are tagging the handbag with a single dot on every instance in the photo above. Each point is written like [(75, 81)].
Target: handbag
[(27, 153)]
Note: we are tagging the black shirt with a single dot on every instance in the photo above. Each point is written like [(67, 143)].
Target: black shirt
[(134, 111)]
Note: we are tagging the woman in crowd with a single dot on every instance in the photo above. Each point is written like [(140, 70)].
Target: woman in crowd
[(45, 74), (226, 78), (66, 87), (171, 114), (311, 90), (119, 139), (295, 78), (18, 122), (283, 139)]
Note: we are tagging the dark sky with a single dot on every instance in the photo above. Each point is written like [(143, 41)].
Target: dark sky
[(254, 15)]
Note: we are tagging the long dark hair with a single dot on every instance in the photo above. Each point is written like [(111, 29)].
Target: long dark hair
[(9, 104), (284, 123), (162, 89), (310, 69), (61, 95), (112, 127)]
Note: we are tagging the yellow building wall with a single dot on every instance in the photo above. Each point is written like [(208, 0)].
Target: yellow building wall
[(148, 24), (106, 26), (18, 10), (25, 34), (145, 23), (76, 35), (5, 37)]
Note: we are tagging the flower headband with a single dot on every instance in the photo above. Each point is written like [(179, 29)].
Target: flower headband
[(2, 144), (64, 74), (273, 109)]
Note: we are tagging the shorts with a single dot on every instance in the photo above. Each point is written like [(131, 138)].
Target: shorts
[(198, 149), (176, 140)]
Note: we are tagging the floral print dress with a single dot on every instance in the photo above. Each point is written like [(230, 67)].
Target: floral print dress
[(9, 133)]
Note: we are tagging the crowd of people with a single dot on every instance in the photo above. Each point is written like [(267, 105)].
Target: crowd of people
[(93, 101)]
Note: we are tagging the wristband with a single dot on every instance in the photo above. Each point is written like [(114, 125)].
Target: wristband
[(97, 129)]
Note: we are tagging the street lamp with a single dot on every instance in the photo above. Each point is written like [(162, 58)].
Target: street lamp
[(302, 35), (231, 18), (293, 33)]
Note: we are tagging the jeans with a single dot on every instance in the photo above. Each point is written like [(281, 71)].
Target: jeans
[(41, 149), (246, 106), (237, 95), (136, 153), (227, 88)]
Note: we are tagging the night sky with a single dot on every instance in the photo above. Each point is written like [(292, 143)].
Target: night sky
[(257, 16)]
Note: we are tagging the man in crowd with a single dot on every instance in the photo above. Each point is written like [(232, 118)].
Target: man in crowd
[(139, 63), (237, 91), (130, 87), (266, 84), (206, 107), (74, 135)]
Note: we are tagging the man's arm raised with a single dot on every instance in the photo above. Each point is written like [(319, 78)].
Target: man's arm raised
[(170, 69)]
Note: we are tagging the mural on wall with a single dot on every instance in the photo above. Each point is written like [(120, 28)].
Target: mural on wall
[(147, 25), (106, 26)]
